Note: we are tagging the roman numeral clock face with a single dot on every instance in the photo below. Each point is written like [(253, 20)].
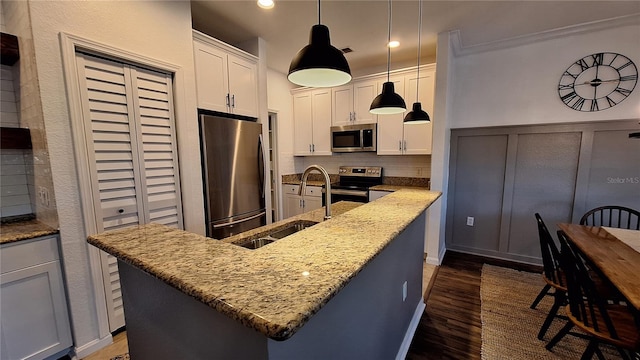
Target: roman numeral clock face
[(597, 82)]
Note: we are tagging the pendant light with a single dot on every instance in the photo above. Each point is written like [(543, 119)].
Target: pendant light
[(417, 115), (319, 64), (388, 102)]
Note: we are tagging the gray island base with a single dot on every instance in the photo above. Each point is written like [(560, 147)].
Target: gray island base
[(347, 288)]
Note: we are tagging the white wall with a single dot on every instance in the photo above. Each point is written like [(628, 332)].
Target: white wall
[(156, 29), (519, 85)]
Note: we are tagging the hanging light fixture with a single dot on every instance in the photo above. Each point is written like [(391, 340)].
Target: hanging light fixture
[(388, 102), (319, 64), (634, 135), (417, 115)]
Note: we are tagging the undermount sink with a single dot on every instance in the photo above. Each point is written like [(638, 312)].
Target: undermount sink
[(267, 239), (293, 228)]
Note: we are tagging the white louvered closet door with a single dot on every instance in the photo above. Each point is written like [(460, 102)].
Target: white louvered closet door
[(129, 127)]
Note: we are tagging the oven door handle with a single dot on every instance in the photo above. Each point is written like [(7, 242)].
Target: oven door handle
[(360, 193)]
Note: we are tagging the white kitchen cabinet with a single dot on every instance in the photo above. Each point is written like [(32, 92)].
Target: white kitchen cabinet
[(226, 77), (295, 204), (312, 122), (35, 319), (377, 194), (350, 103), (394, 136)]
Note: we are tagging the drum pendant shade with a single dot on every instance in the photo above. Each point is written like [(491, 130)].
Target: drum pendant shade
[(417, 115), (319, 64), (388, 102)]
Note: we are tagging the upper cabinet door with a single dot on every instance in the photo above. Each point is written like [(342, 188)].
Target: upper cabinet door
[(321, 105), (342, 98), (212, 81), (243, 86), (363, 94), (418, 137), (303, 123), (390, 131)]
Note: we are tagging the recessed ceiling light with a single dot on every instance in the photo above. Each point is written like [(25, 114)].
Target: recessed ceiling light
[(394, 44), (266, 4)]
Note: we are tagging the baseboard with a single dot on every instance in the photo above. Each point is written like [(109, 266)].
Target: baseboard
[(93, 346), (411, 330), (432, 260)]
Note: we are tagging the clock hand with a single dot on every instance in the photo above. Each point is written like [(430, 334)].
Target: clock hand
[(598, 82), (595, 88)]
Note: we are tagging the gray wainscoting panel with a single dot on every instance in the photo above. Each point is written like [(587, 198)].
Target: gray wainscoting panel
[(614, 174), (503, 175), (478, 182), (545, 176)]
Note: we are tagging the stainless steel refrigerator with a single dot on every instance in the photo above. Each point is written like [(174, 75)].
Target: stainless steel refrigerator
[(233, 174)]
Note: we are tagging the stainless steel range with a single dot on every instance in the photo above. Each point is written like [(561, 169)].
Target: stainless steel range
[(355, 182)]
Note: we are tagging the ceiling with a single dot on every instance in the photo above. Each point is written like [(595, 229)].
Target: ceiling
[(362, 24)]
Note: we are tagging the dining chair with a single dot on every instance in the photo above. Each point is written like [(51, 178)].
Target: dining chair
[(587, 309), (612, 216), (552, 274)]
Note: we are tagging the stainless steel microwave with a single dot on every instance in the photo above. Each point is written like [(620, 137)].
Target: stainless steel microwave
[(354, 138)]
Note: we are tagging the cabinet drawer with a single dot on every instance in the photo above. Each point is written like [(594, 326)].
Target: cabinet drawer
[(22, 254), (313, 191), (291, 189)]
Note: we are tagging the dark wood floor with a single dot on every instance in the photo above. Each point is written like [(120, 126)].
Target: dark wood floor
[(450, 327)]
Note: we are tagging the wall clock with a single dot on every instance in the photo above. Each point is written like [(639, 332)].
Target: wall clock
[(598, 81)]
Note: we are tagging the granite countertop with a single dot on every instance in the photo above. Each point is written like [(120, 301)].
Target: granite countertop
[(24, 230), (309, 182), (275, 289), (385, 187)]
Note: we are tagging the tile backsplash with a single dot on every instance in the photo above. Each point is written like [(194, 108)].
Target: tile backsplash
[(402, 165), (15, 188)]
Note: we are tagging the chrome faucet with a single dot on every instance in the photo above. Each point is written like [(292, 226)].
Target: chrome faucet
[(327, 188)]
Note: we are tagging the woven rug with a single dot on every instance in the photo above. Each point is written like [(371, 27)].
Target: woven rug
[(510, 328)]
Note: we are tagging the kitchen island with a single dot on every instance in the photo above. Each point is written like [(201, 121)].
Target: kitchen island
[(349, 287)]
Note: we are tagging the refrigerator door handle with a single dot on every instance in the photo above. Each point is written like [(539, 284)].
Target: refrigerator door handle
[(261, 166), (217, 226)]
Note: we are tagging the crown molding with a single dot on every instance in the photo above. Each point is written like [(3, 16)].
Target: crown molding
[(459, 49)]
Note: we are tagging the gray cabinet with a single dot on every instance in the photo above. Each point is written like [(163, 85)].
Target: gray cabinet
[(500, 177), (35, 319)]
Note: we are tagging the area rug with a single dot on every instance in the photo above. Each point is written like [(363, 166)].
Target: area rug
[(121, 357), (510, 327)]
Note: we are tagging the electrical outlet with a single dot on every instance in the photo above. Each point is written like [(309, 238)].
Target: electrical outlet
[(470, 220), (404, 291)]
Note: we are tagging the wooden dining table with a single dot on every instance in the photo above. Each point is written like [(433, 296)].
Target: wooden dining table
[(613, 255)]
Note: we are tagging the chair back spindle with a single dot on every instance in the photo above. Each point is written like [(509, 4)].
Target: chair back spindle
[(612, 216), (586, 304), (550, 253)]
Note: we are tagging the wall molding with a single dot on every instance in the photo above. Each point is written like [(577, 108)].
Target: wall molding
[(93, 346), (459, 49)]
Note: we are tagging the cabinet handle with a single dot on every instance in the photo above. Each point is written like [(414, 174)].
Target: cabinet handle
[(404, 145), (227, 100), (313, 147), (233, 101), (400, 145), (310, 148), (354, 116)]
